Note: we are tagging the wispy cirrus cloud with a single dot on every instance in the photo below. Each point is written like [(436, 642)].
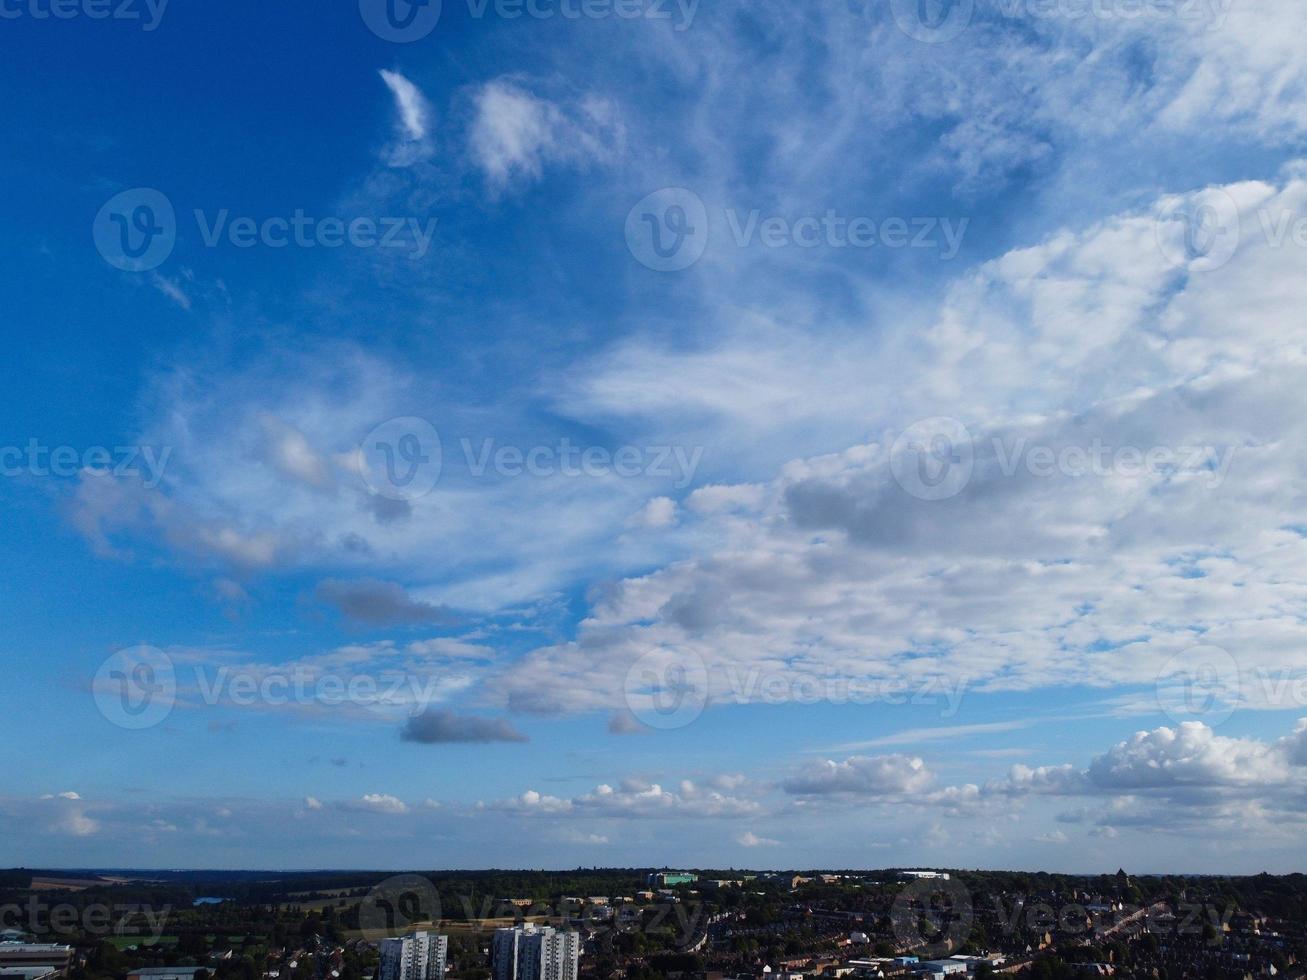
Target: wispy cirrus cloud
[(415, 119)]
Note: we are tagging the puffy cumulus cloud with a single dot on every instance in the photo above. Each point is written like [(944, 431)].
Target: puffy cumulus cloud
[(64, 813), (77, 824), (437, 726), (1123, 477), (531, 801), (882, 776), (657, 513), (638, 799), (750, 839), (516, 133), (378, 803), (1191, 755), (1184, 777)]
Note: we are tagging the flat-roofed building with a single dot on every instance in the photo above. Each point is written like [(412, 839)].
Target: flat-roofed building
[(27, 973), (53, 955)]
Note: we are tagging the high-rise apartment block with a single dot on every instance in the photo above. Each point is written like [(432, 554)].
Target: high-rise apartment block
[(418, 956), (533, 952)]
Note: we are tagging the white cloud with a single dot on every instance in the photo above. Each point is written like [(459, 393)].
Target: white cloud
[(750, 839), (885, 775), (415, 116), (657, 513), (1167, 779), (636, 798), (380, 803), (1090, 341), (516, 134), (78, 824), (289, 451)]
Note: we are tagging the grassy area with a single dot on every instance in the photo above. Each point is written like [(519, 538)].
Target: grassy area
[(122, 942)]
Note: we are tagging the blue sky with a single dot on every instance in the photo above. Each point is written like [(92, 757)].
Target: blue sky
[(781, 436)]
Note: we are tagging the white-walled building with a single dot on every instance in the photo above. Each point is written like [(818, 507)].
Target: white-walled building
[(419, 956), (532, 952)]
